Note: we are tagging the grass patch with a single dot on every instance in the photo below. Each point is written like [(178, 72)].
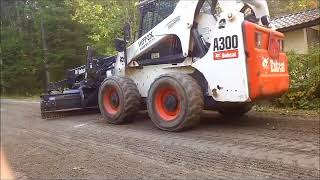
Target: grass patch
[(287, 111)]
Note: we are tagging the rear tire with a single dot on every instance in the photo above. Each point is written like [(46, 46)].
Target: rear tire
[(175, 102), (119, 99)]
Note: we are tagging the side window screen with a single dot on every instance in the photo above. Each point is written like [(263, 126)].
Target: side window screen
[(166, 7), (155, 13), (147, 22), (206, 8)]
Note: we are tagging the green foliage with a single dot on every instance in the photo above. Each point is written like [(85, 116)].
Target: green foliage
[(304, 90), (22, 55), (284, 7), (105, 19), (299, 5), (20, 66), (71, 25)]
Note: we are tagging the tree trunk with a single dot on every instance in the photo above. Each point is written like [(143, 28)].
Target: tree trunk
[(45, 54), (19, 24)]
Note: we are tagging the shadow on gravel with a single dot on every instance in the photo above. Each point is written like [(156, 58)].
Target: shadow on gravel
[(216, 119), (211, 120), (258, 120)]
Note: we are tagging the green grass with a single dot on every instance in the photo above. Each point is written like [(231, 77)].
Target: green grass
[(287, 111)]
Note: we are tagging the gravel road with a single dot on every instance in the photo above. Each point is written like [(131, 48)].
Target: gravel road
[(257, 146)]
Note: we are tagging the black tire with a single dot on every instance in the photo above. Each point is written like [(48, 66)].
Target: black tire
[(235, 110), (122, 103), (186, 102)]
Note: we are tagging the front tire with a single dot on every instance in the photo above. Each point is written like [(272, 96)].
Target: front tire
[(175, 102), (119, 99)]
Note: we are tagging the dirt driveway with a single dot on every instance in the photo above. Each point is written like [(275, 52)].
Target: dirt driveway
[(258, 146)]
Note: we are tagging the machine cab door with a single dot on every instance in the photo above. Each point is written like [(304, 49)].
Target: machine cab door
[(153, 12)]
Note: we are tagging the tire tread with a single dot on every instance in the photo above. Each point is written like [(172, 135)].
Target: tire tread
[(195, 100), (131, 97)]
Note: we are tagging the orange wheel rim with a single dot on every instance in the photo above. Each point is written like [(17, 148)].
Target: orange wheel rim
[(167, 103), (111, 100)]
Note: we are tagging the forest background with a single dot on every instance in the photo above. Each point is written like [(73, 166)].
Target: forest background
[(53, 34)]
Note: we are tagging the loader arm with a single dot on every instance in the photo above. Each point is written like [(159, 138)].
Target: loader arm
[(179, 24)]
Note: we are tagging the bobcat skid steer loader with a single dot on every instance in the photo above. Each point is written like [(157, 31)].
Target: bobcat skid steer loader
[(194, 55)]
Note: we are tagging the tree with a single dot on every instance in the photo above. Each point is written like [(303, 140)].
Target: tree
[(280, 7), (70, 25), (105, 19), (21, 43)]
